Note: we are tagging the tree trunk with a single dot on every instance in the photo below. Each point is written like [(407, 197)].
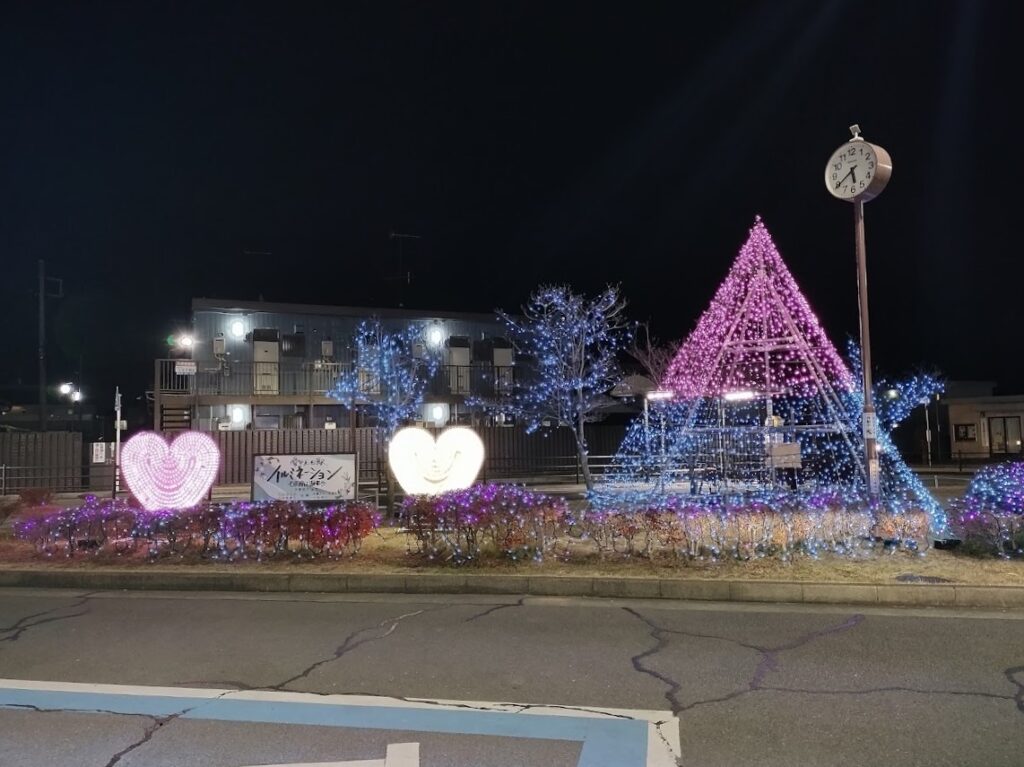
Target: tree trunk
[(581, 451)]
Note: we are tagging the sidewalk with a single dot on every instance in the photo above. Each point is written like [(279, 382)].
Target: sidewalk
[(153, 577)]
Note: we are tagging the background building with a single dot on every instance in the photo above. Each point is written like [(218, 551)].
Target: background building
[(259, 365)]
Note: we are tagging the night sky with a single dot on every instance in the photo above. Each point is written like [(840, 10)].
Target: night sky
[(152, 152)]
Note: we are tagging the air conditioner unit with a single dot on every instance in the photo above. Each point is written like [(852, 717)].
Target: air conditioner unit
[(266, 357)]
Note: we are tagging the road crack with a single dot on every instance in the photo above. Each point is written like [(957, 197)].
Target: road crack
[(356, 639), (147, 735), (874, 690), (494, 609), (15, 630), (159, 722), (1011, 674), (658, 634), (769, 661)]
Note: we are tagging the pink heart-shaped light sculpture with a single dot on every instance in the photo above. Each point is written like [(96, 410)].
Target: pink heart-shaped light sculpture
[(174, 476)]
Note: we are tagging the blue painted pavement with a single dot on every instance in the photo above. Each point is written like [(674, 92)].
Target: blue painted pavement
[(606, 742)]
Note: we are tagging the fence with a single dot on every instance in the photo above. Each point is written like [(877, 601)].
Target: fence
[(60, 462), (50, 460), (510, 452)]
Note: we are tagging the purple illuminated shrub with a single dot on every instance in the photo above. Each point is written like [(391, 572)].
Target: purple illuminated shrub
[(505, 520), (230, 531)]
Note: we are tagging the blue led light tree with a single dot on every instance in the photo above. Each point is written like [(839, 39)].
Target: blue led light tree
[(573, 342), (388, 377)]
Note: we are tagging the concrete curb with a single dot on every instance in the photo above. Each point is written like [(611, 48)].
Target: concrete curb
[(918, 595)]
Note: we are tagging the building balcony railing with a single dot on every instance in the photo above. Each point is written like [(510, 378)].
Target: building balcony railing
[(246, 378), (261, 379)]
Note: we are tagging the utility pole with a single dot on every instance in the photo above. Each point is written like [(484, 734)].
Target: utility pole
[(401, 273), (42, 336), (42, 345)]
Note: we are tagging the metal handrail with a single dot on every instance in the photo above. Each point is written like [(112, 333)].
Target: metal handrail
[(315, 378)]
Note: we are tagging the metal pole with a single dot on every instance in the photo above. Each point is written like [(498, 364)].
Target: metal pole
[(117, 440), (42, 345), (870, 428), (662, 448), (647, 430), (928, 432)]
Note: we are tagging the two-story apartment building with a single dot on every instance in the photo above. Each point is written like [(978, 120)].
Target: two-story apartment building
[(260, 365)]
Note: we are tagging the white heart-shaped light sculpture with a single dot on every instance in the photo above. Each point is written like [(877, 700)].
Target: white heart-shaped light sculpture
[(425, 466), (174, 476)]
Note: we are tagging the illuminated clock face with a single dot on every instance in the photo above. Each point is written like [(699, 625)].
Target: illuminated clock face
[(850, 170)]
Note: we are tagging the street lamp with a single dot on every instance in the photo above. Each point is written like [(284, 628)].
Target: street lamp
[(73, 394)]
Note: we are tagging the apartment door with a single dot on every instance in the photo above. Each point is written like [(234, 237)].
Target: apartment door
[(1004, 434)]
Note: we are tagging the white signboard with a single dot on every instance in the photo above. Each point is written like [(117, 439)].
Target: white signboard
[(99, 452), (784, 455), (316, 477), (185, 367)]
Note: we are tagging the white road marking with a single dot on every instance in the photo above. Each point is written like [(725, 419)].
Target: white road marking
[(398, 755)]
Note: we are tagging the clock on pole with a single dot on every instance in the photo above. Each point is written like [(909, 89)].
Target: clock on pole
[(858, 171)]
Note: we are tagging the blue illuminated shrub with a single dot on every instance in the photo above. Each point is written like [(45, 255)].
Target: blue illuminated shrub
[(989, 519)]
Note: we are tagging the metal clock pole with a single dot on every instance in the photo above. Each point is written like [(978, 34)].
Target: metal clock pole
[(875, 168), (870, 421)]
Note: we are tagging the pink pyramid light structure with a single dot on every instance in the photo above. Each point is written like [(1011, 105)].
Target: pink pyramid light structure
[(763, 402), (758, 337)]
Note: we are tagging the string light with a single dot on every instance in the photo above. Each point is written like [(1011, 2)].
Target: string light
[(766, 413), (231, 531), (574, 343), (163, 476), (990, 516), (388, 378), (507, 519)]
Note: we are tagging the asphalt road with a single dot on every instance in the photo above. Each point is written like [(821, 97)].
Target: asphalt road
[(720, 684)]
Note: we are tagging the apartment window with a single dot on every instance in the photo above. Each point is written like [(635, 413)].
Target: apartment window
[(1004, 434)]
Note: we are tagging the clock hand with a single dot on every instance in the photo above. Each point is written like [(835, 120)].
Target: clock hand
[(840, 182), (852, 169)]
